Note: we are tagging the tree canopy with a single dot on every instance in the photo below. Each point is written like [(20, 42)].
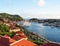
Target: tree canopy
[(10, 17), (5, 30)]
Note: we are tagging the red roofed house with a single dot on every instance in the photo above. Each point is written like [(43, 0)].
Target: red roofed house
[(18, 37), (7, 41), (20, 33), (4, 41), (15, 29), (23, 42), (1, 44), (10, 39)]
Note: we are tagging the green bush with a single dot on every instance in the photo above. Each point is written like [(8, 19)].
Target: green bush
[(5, 30)]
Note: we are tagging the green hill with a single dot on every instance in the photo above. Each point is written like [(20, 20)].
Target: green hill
[(10, 17)]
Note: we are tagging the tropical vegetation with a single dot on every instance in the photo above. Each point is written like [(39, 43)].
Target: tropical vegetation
[(5, 30)]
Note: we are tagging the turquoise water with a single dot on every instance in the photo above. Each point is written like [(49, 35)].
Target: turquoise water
[(49, 32)]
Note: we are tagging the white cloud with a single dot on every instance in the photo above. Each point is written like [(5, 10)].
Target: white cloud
[(41, 2)]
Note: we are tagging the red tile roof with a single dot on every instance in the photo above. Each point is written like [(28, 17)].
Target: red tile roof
[(4, 41), (1, 44), (23, 36), (6, 36), (50, 44), (16, 37), (24, 43), (20, 33), (11, 40)]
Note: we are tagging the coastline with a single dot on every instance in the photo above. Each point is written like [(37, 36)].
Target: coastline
[(37, 34), (49, 41), (45, 39)]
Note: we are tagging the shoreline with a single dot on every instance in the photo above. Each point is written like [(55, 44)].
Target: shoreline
[(45, 39), (49, 40)]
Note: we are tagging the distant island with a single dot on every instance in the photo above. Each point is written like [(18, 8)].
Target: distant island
[(47, 22)]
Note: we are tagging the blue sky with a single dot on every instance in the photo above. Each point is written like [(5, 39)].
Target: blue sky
[(32, 8)]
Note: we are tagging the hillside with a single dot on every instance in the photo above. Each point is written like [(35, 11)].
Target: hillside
[(10, 17)]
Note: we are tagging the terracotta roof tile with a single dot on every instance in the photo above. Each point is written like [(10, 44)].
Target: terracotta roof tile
[(16, 37), (24, 43), (23, 36), (1, 44), (20, 33), (4, 41), (6, 36), (11, 40)]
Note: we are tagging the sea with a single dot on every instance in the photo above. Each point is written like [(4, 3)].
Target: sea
[(49, 32)]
